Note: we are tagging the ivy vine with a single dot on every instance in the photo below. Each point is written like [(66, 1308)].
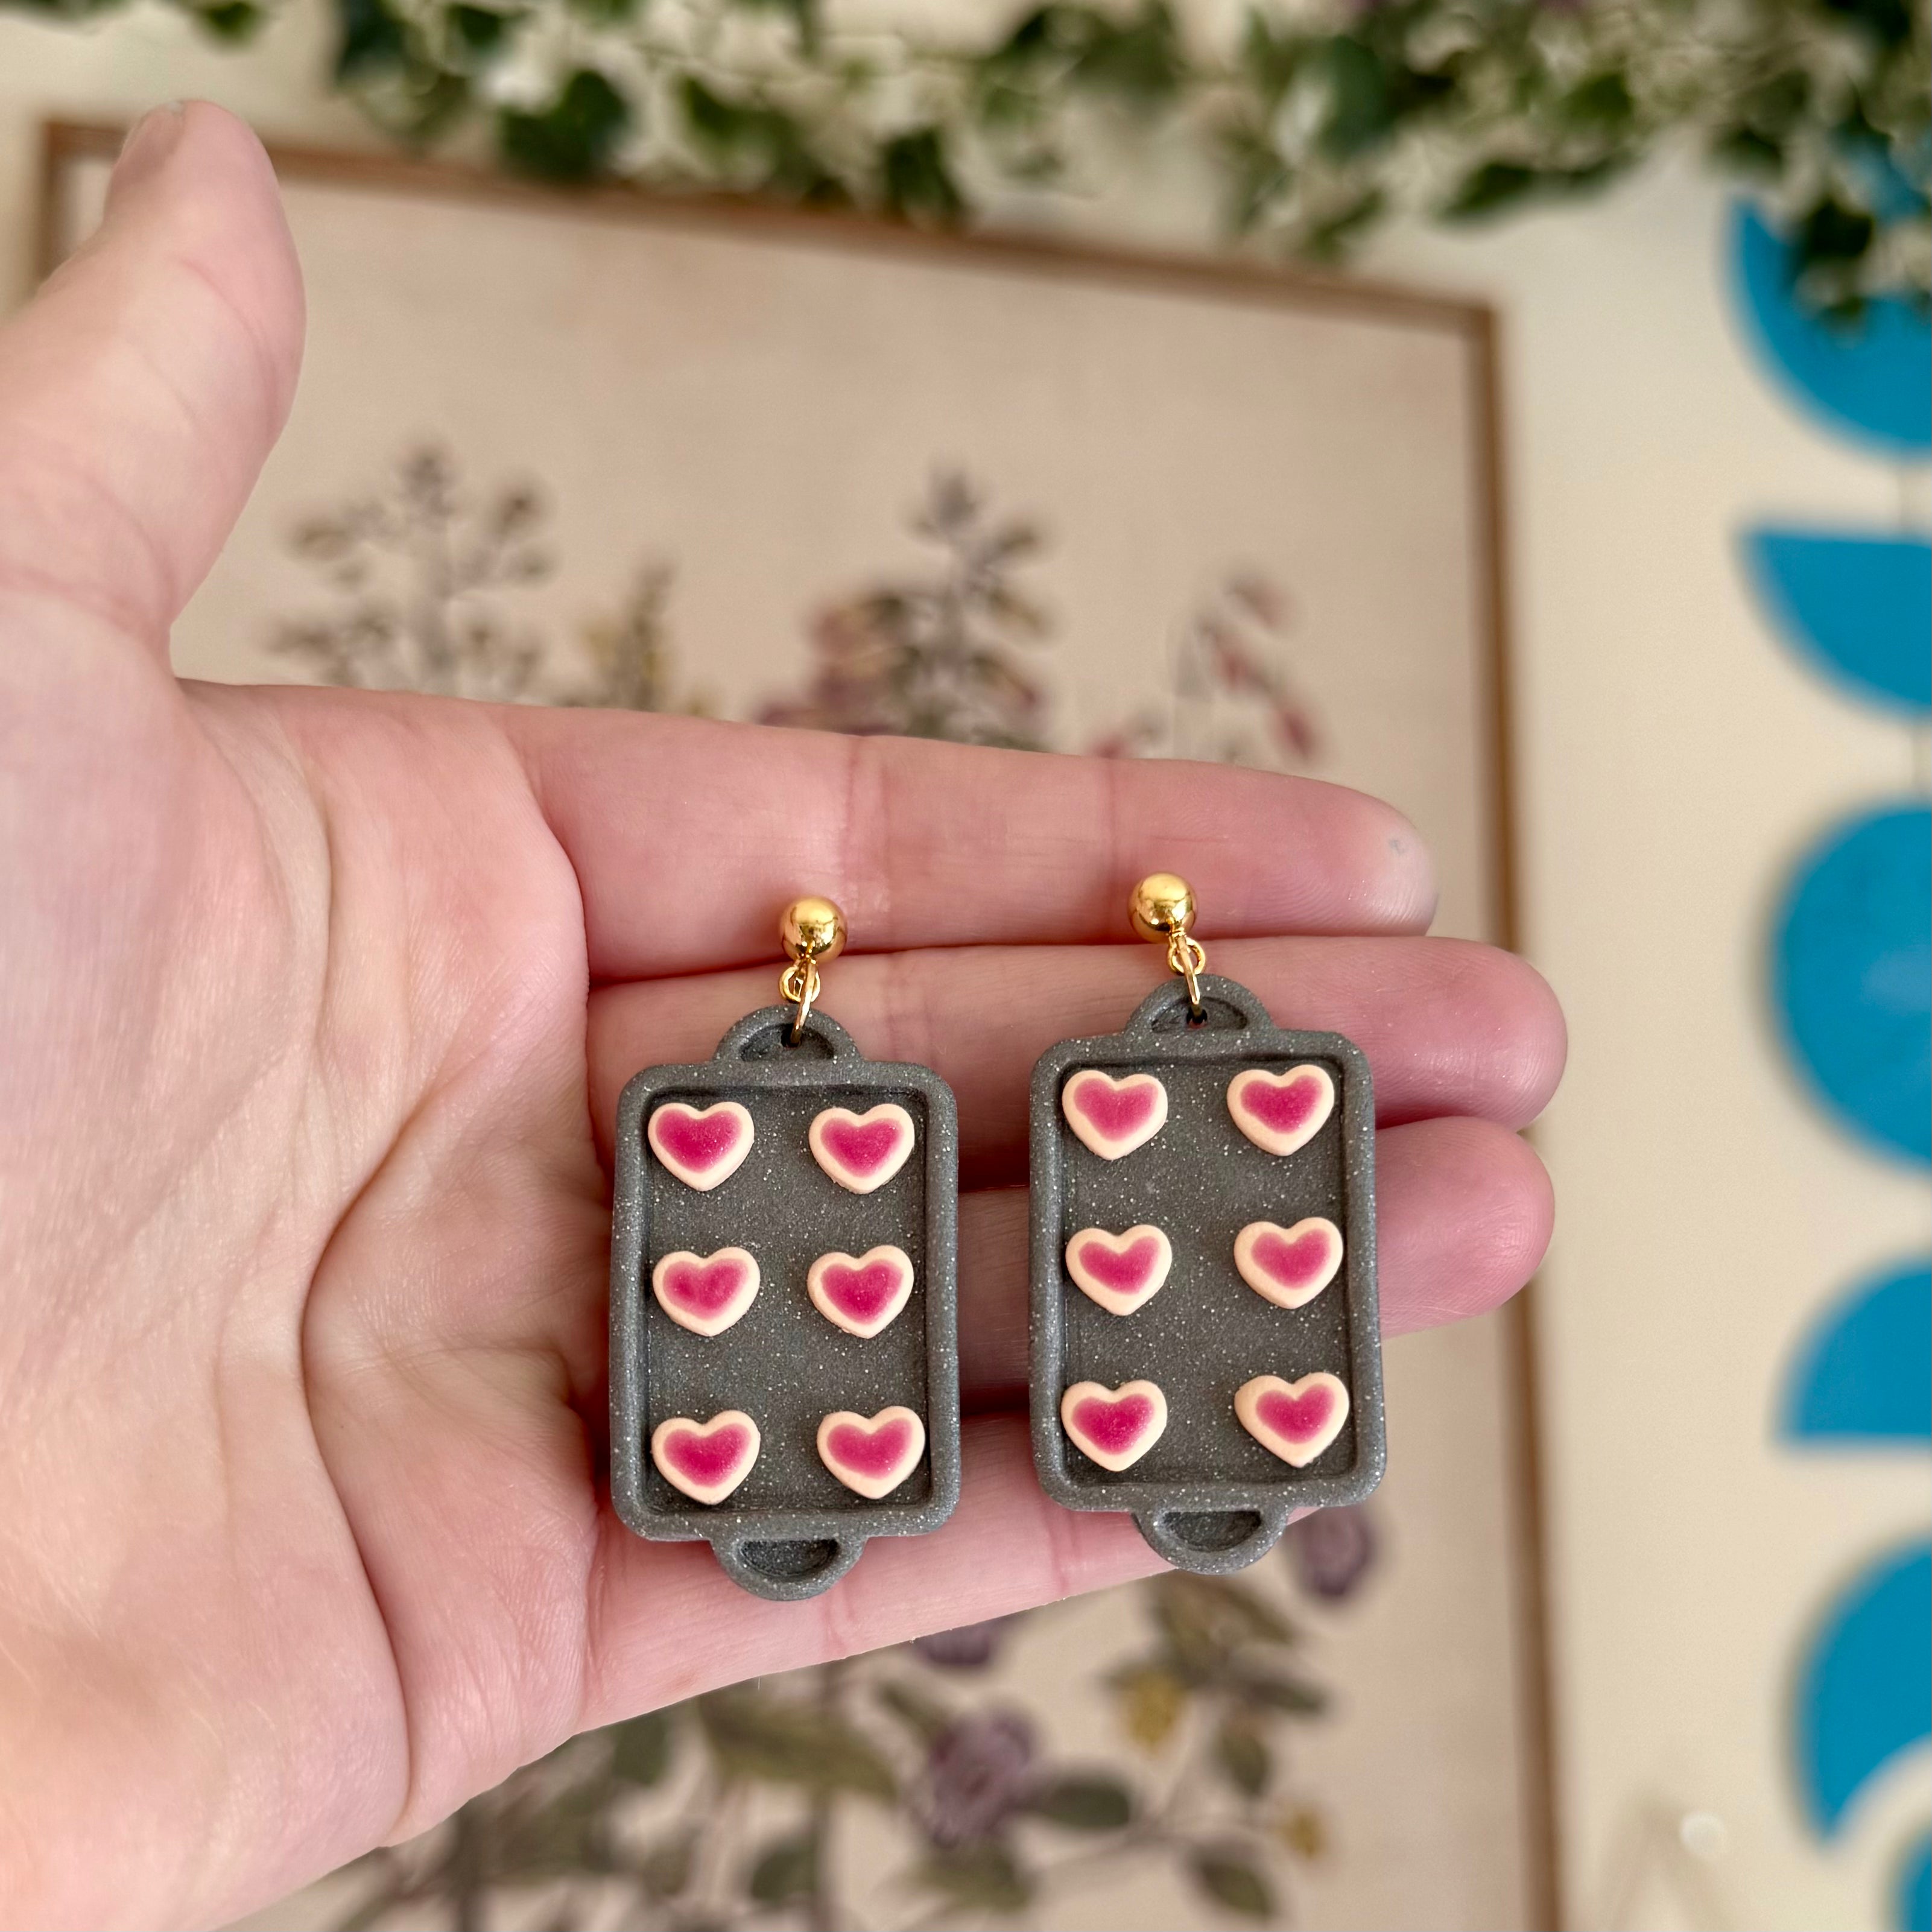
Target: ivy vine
[(1317, 119)]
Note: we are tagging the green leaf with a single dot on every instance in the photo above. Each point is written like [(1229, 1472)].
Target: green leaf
[(1229, 1878), (1139, 60), (1887, 21), (231, 20), (783, 1742), (767, 139), (370, 39), (1243, 1755), (915, 178), (1370, 93), (1084, 1802), (641, 1750), (1492, 187), (784, 1871), (571, 139), (1750, 151), (1207, 1620), (1036, 36), (1286, 1695), (925, 1716), (1776, 105), (1602, 102), (481, 30), (1832, 232), (1332, 236), (1271, 56), (987, 1876)]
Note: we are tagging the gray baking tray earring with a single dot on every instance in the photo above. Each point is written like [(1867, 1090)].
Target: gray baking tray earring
[(1207, 1496), (791, 1529)]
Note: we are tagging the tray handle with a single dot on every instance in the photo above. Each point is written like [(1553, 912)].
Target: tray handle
[(1213, 1542), (786, 1569), (766, 1035)]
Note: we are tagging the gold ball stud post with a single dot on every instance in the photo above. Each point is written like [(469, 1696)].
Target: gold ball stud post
[(813, 929), (1162, 904), (1161, 908)]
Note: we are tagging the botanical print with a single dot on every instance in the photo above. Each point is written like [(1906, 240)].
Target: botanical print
[(947, 654), (422, 574), (732, 1809), (729, 1810)]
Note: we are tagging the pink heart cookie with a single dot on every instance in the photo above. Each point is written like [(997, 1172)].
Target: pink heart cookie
[(1281, 1111), (1120, 1271), (1115, 1427), (707, 1460), (862, 1151), (1114, 1117), (872, 1455), (701, 1148), (1288, 1266), (861, 1296), (1295, 1420), (706, 1293)]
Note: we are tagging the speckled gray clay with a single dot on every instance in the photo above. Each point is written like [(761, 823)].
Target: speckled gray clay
[(792, 1529), (1208, 1496)]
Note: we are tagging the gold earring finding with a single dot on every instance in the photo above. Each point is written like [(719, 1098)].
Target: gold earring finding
[(812, 930), (1162, 908)]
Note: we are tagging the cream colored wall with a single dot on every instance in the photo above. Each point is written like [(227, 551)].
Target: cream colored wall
[(1671, 758)]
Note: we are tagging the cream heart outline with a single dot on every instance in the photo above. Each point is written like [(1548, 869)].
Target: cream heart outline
[(1254, 1399), (703, 1175), (826, 1126), (1251, 1088), (699, 1321), (1078, 1421), (693, 1482), (1090, 1251), (844, 1435), (1090, 1087), (819, 1288), (1317, 1243)]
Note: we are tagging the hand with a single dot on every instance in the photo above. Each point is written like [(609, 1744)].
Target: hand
[(314, 1007)]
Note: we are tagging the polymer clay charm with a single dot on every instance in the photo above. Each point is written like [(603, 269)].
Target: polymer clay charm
[(784, 1353), (1206, 1351)]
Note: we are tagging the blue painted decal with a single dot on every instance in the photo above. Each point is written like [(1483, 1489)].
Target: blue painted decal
[(1858, 609), (1871, 378), (1864, 1694), (1864, 1374), (1851, 967)]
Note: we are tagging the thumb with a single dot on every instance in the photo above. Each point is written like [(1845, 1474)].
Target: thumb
[(141, 390)]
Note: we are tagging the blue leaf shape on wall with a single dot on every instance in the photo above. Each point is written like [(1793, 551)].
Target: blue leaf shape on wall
[(1872, 378), (1864, 1374), (1857, 608), (1864, 1692), (1851, 971)]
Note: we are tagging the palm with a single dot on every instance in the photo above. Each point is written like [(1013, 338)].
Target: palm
[(313, 1005)]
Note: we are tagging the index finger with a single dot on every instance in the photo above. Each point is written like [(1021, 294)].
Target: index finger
[(688, 836)]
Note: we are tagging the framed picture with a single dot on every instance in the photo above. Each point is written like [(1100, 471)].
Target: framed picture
[(691, 454)]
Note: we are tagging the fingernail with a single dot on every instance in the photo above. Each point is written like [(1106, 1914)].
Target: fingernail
[(149, 142)]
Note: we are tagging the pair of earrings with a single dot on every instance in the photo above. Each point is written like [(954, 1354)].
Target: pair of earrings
[(785, 1357)]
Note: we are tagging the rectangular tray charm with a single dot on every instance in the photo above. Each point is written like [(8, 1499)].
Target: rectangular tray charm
[(791, 1528), (1209, 1494)]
